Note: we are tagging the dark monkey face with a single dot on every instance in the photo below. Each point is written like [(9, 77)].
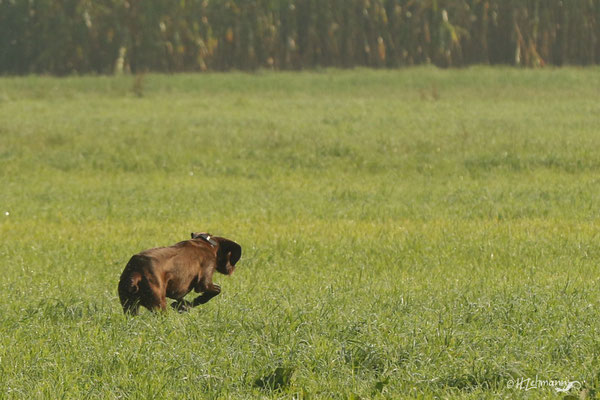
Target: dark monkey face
[(228, 255)]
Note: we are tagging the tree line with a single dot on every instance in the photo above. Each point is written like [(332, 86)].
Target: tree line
[(112, 36)]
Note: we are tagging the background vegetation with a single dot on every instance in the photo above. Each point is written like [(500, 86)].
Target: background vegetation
[(103, 36), (405, 233)]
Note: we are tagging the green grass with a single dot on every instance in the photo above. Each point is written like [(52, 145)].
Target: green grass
[(416, 233)]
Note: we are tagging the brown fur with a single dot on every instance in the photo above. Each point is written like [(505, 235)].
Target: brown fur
[(155, 274)]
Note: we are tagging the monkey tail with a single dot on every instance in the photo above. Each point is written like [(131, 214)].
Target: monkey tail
[(134, 281), (128, 291)]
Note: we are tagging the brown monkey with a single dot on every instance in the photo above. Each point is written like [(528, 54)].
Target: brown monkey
[(155, 274)]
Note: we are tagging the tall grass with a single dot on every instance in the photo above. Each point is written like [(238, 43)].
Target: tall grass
[(399, 241), (66, 36)]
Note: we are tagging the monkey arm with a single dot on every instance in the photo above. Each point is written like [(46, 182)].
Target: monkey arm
[(211, 291), (183, 305)]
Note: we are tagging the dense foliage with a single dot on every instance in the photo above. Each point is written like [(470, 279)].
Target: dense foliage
[(104, 36)]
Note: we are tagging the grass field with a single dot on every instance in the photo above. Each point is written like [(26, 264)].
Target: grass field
[(417, 233)]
